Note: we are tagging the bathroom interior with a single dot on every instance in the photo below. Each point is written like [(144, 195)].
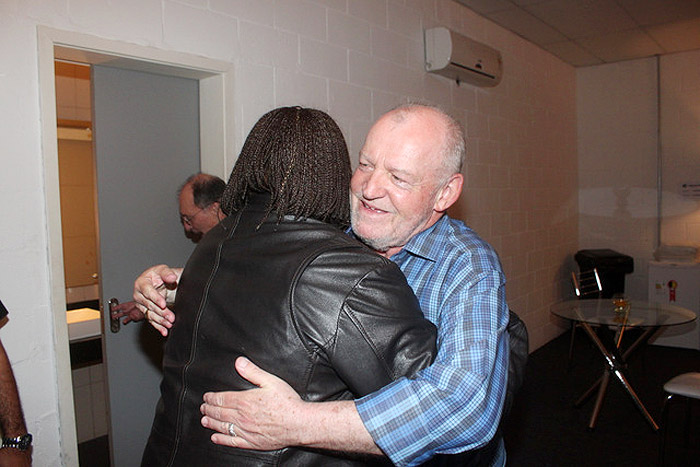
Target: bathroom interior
[(80, 248)]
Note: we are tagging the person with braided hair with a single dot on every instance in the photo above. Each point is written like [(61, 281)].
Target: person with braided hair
[(409, 174), (279, 281)]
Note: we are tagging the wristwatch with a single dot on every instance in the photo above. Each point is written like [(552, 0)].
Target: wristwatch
[(21, 443)]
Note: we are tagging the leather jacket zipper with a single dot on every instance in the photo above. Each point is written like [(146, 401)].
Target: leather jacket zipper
[(193, 349)]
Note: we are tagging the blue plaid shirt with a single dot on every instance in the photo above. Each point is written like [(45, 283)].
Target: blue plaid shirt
[(455, 404)]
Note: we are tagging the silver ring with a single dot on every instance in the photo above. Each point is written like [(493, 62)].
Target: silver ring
[(230, 430)]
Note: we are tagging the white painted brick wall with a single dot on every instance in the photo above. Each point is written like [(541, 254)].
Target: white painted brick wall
[(322, 59), (348, 31), (306, 18), (354, 58)]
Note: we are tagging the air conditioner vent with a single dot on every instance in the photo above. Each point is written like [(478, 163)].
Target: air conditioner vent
[(461, 58)]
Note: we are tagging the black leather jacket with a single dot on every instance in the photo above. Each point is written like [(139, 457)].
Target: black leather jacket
[(302, 300)]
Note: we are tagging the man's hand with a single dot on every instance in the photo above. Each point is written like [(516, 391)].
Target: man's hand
[(273, 416), (129, 311), (264, 418), (151, 290)]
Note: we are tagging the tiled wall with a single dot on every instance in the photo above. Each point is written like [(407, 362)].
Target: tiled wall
[(617, 146), (353, 58), (90, 402), (78, 212), (82, 294), (77, 180), (73, 92)]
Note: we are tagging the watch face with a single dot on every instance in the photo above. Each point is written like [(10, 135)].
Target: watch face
[(25, 441)]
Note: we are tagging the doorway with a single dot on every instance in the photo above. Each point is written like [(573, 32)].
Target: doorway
[(146, 143), (215, 89), (80, 260)]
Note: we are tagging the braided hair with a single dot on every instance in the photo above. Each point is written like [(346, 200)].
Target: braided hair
[(299, 156)]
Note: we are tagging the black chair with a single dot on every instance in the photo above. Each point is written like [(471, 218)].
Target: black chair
[(587, 285), (519, 352)]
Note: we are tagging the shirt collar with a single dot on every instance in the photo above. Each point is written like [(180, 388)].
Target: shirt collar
[(422, 244)]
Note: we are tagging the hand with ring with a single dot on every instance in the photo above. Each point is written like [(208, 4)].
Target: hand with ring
[(250, 419)]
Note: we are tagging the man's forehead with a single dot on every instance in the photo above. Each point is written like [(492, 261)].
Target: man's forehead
[(381, 137), (186, 196)]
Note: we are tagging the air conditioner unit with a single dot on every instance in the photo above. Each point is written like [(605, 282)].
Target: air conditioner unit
[(462, 59)]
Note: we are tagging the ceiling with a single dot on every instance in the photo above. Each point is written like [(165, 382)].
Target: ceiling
[(591, 32)]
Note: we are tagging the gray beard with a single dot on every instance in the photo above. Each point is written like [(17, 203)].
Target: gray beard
[(376, 244)]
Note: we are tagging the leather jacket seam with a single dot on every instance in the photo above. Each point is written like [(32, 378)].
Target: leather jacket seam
[(315, 352), (346, 310), (312, 352)]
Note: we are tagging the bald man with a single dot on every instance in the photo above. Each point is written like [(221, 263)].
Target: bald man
[(198, 199), (199, 204)]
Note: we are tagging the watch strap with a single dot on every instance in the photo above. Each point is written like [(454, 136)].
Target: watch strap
[(22, 442)]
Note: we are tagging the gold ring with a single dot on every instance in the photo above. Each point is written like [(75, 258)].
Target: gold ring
[(145, 313)]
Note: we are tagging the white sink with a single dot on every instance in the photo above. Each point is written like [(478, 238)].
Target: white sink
[(83, 323)]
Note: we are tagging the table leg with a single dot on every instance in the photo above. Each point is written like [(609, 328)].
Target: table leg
[(646, 335), (615, 366), (604, 380), (590, 390), (635, 398), (609, 360)]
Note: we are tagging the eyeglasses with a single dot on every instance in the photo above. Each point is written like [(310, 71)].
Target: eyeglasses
[(185, 219)]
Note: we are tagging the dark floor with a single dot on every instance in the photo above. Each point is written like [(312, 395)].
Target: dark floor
[(94, 453), (544, 427)]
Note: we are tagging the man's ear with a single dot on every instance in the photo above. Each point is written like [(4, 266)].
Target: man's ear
[(449, 193)]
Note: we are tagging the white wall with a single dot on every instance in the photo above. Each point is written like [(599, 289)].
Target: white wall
[(353, 58), (616, 107), (617, 146), (680, 147)]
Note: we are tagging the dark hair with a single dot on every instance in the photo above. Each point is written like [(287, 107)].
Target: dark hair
[(206, 189), (299, 156)]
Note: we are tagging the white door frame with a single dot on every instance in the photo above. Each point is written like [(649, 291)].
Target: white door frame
[(216, 143)]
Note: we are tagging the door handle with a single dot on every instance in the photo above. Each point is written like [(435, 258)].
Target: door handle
[(114, 324)]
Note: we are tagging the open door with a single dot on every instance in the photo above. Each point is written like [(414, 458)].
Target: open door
[(146, 133)]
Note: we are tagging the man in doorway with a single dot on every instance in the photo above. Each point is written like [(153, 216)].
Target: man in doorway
[(409, 174), (199, 201)]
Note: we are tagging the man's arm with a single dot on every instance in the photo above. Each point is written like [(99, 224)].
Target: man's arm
[(11, 417), (274, 416), (454, 405), (153, 290), (468, 384), (379, 336)]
